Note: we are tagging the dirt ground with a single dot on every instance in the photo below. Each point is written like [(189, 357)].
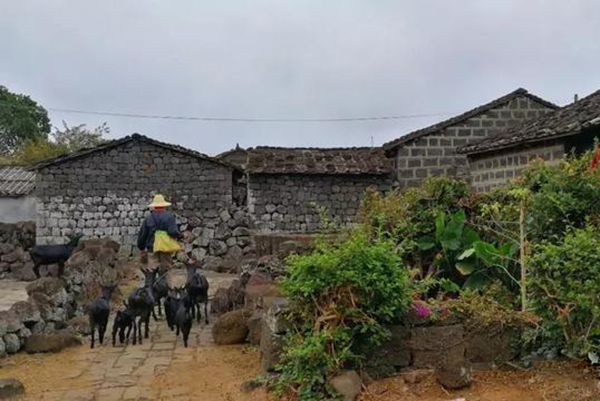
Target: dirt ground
[(547, 382), (162, 369)]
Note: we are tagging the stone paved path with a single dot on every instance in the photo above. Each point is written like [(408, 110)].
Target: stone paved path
[(159, 369), (11, 291)]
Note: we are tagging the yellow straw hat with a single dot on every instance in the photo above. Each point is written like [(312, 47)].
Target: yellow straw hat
[(159, 201)]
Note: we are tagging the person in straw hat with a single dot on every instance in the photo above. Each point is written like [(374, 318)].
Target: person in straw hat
[(159, 220)]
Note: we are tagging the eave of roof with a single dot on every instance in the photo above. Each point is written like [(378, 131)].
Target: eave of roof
[(16, 181), (465, 116), (122, 141), (566, 121)]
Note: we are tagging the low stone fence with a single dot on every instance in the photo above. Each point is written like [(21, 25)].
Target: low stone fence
[(54, 314), (15, 242)]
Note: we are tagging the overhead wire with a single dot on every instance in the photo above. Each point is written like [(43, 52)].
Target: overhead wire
[(237, 119)]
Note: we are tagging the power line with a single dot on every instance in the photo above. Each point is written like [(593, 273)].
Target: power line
[(237, 119)]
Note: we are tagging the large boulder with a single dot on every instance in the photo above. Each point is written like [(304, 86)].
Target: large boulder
[(24, 272), (79, 325), (348, 384), (259, 285), (228, 299), (454, 373), (231, 327), (55, 342), (27, 312), (12, 343), (49, 312), (53, 288), (272, 337), (255, 322), (11, 388), (9, 322)]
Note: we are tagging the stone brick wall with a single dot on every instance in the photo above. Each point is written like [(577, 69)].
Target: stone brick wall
[(435, 154), (106, 193), (498, 168), (287, 202)]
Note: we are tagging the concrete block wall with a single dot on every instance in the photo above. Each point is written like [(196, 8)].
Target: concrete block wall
[(288, 202), (498, 168), (435, 154)]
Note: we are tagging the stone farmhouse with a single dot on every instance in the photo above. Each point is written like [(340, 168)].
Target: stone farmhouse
[(286, 184), (431, 151), (17, 200), (571, 129), (103, 191)]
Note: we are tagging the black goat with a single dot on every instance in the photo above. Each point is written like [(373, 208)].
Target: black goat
[(160, 290), (124, 320), (49, 254), (171, 307), (98, 312), (184, 316), (197, 290), (141, 304)]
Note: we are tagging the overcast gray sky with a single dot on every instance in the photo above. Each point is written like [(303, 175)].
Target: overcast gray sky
[(292, 59)]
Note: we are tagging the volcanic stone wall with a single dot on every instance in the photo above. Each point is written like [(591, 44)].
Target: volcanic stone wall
[(106, 193), (290, 202)]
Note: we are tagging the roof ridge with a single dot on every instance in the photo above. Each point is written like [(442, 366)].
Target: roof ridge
[(312, 148), (507, 138), (466, 115), (119, 141)]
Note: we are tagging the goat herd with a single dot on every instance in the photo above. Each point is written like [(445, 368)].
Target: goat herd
[(181, 306)]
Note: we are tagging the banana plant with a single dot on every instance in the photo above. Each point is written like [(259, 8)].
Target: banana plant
[(451, 238), (484, 261)]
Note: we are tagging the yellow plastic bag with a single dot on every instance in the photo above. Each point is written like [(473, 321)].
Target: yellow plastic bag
[(164, 243)]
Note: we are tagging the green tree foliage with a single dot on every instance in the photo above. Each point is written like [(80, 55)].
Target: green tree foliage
[(62, 141), (21, 120), (341, 295)]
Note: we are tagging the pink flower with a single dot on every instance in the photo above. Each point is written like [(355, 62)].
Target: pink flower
[(421, 310)]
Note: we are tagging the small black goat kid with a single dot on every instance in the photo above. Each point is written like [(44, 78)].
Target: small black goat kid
[(98, 312), (124, 320), (197, 291), (49, 254), (184, 315), (171, 304), (141, 303)]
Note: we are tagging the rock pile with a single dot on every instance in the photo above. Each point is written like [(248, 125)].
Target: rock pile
[(52, 316), (15, 242), (94, 263), (46, 310), (219, 243)]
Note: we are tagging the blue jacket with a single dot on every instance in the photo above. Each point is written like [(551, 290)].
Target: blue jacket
[(164, 221)]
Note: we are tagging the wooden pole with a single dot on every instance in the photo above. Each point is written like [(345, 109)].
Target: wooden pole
[(522, 240)]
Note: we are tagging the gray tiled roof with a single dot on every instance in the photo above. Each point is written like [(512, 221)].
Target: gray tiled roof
[(134, 137), (566, 121), (16, 181), (272, 160), (467, 115)]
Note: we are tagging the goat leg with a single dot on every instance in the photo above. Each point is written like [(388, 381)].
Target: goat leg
[(206, 311), (134, 332), (92, 329)]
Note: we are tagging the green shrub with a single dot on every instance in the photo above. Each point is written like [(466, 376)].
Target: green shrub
[(565, 286), (341, 297), (560, 197)]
